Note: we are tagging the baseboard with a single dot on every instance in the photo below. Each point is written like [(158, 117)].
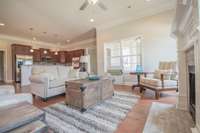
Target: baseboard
[(195, 130), (9, 81), (182, 103)]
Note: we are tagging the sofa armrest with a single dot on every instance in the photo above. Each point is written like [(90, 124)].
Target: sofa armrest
[(7, 90), (39, 78), (14, 99)]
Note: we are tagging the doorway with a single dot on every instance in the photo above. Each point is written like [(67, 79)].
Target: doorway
[(2, 67)]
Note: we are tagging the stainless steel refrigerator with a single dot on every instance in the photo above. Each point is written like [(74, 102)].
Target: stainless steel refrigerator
[(22, 60)]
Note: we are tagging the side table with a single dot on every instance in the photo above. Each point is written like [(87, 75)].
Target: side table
[(138, 79)]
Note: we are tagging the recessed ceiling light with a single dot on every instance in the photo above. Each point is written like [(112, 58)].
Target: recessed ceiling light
[(91, 20), (68, 41), (34, 39), (129, 6), (147, 0), (2, 24)]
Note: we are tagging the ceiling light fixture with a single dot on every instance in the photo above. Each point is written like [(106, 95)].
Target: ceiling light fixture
[(147, 0), (2, 24), (92, 20), (68, 41), (92, 2), (129, 6), (31, 50), (56, 53), (45, 52)]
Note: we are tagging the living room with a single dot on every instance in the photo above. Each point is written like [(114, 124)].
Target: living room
[(100, 66)]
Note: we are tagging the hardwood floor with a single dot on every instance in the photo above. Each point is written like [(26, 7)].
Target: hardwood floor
[(136, 118)]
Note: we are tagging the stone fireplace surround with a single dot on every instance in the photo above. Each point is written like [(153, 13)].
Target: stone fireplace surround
[(185, 28)]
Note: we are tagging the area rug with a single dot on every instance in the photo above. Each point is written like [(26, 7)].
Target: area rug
[(165, 118), (101, 118)]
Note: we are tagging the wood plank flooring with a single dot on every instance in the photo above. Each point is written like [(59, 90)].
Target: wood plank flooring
[(136, 118)]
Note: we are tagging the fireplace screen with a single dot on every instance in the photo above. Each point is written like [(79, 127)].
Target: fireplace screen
[(192, 90)]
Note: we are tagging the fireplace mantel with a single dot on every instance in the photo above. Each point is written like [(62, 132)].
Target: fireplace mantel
[(187, 32)]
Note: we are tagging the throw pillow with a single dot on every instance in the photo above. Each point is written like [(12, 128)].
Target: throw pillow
[(166, 73)]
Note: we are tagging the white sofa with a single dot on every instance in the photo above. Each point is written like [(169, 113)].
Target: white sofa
[(49, 80), (8, 96)]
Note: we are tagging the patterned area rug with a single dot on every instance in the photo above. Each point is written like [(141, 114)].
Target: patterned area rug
[(165, 118), (102, 118)]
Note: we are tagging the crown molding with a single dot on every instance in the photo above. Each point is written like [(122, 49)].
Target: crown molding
[(88, 41), (26, 41)]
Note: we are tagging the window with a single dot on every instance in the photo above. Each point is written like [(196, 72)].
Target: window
[(124, 54)]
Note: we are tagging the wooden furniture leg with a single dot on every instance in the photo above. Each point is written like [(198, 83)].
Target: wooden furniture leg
[(141, 89), (157, 94)]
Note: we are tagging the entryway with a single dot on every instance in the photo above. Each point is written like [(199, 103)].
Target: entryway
[(2, 67)]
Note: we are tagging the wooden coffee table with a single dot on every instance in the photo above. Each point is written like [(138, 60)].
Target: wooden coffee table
[(22, 117), (85, 93)]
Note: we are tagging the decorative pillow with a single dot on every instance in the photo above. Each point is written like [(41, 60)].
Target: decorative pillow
[(37, 70), (50, 76), (166, 73)]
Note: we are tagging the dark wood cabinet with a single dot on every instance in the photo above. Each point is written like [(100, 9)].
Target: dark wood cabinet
[(62, 56), (44, 53), (36, 55), (18, 49), (54, 57), (39, 55), (74, 53)]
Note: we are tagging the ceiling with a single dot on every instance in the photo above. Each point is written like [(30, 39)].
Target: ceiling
[(56, 21)]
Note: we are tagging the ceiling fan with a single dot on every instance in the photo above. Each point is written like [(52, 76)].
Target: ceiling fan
[(93, 2)]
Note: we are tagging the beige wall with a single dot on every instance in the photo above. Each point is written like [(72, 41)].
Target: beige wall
[(5, 46), (157, 44)]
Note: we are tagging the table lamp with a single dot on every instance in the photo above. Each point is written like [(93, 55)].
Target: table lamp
[(139, 69)]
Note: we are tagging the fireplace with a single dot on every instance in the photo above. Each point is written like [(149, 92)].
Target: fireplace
[(192, 96)]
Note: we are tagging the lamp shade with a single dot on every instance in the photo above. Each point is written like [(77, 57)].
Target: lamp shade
[(84, 59), (139, 69)]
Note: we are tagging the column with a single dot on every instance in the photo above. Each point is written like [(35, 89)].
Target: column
[(197, 67), (182, 66)]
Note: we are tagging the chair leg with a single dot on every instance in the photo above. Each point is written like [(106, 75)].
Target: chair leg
[(141, 89), (157, 95)]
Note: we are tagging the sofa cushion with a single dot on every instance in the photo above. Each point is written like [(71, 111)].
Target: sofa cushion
[(7, 90), (167, 74), (52, 70), (13, 99), (63, 72), (37, 70), (158, 83), (56, 83)]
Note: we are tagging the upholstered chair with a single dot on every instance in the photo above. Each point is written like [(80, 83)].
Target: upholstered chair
[(163, 79)]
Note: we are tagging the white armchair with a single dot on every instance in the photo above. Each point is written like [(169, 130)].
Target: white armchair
[(164, 79), (8, 96), (117, 75)]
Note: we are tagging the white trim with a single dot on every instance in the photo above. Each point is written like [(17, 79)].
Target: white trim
[(195, 130), (186, 19), (190, 44), (92, 40), (5, 64), (27, 41), (198, 27), (9, 81), (184, 2)]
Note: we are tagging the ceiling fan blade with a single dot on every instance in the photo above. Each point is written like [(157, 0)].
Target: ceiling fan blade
[(102, 6), (85, 5)]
